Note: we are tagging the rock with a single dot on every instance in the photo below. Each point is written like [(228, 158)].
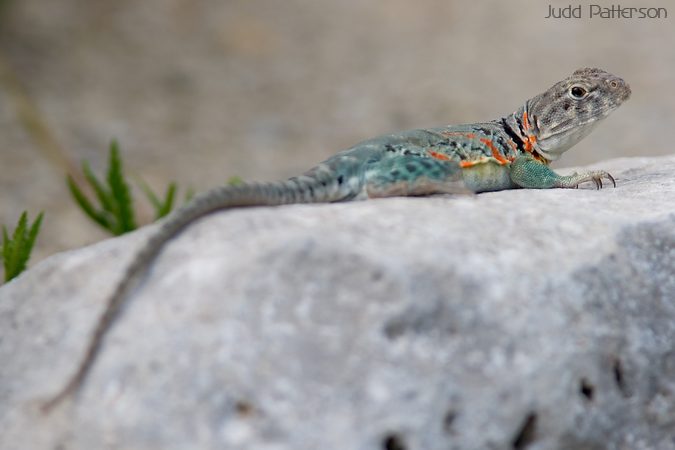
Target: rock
[(511, 320)]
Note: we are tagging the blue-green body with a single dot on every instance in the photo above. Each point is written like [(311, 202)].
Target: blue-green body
[(473, 157)]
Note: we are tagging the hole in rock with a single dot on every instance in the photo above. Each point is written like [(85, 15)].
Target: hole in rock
[(618, 376), (393, 441), (394, 329), (448, 420), (243, 408), (586, 389), (526, 433)]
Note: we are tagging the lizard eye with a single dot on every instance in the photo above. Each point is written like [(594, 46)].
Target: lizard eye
[(578, 92)]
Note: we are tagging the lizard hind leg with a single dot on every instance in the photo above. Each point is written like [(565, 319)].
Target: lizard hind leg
[(410, 176)]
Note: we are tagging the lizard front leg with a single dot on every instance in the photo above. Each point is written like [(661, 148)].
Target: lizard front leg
[(529, 173)]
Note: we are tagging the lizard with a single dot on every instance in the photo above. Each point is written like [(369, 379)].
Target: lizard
[(507, 153)]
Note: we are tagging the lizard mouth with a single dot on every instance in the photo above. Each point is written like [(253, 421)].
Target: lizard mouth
[(625, 93)]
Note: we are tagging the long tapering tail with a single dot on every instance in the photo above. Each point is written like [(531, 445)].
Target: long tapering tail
[(320, 185)]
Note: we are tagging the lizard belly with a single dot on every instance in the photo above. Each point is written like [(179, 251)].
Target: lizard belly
[(488, 176)]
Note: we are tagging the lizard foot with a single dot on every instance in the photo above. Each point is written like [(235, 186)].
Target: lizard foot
[(596, 176)]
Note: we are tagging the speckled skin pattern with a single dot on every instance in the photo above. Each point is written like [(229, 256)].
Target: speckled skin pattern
[(511, 152)]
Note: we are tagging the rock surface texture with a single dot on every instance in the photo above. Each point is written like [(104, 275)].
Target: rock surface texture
[(511, 320)]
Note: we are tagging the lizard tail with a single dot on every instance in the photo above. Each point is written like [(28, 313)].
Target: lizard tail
[(320, 185)]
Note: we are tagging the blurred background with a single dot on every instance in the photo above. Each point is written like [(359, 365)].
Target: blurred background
[(200, 91)]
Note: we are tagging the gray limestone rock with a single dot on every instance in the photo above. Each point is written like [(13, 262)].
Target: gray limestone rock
[(511, 320)]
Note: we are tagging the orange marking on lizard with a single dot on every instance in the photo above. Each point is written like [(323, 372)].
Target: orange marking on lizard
[(530, 140), (475, 162), (495, 152), (541, 159), (441, 156), (526, 123)]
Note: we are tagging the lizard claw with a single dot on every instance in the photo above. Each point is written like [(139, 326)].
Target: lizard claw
[(599, 175), (574, 180)]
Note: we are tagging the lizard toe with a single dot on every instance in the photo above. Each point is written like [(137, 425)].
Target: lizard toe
[(599, 176)]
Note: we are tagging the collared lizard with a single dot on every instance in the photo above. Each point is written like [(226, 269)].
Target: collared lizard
[(511, 152)]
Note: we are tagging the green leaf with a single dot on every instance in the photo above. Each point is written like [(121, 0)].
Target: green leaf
[(103, 196), (17, 249), (169, 197), (120, 192), (162, 207), (17, 246), (97, 216), (34, 230), (27, 240), (149, 194), (21, 227)]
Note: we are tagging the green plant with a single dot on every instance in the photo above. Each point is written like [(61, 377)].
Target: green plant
[(162, 207), (16, 250), (115, 212)]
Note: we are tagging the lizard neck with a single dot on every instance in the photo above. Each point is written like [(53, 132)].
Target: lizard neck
[(522, 128)]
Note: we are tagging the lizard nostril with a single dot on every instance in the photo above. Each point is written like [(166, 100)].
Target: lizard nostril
[(614, 84)]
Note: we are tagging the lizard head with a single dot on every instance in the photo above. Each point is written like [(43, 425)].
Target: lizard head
[(570, 109)]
